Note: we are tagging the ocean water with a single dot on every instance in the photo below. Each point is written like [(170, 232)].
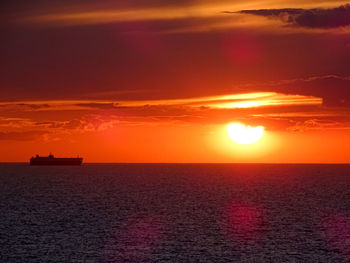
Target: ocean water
[(175, 213)]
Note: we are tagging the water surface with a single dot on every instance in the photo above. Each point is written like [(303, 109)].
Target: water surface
[(175, 213)]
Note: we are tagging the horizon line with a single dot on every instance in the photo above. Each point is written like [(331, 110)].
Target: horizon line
[(244, 163)]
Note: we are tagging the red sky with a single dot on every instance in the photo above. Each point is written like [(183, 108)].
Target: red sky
[(159, 81)]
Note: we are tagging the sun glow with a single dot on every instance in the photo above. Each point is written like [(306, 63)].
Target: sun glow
[(242, 134)]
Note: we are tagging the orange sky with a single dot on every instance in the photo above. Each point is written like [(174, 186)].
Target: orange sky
[(160, 82)]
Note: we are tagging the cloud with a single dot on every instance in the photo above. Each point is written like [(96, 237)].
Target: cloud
[(226, 101), (22, 136), (85, 15), (308, 18), (33, 106), (25, 106), (62, 118), (164, 17), (333, 89), (314, 124), (108, 105), (68, 124), (279, 106)]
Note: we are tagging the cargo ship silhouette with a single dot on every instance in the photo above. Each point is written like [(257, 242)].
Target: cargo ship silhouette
[(51, 160)]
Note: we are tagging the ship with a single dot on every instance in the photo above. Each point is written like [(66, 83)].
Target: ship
[(51, 160)]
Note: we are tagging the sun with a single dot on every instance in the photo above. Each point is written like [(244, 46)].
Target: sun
[(243, 134)]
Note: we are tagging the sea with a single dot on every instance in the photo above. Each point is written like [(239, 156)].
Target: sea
[(175, 213)]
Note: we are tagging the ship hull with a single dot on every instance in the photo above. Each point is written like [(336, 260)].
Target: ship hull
[(56, 161)]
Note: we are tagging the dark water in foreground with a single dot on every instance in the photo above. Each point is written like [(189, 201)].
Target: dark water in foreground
[(175, 213)]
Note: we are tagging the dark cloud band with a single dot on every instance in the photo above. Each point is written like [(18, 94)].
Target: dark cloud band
[(310, 18)]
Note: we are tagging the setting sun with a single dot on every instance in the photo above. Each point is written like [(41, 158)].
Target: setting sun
[(244, 134)]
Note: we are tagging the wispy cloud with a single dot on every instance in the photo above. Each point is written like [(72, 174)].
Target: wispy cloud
[(231, 101), (184, 17), (83, 16), (57, 118), (275, 110)]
